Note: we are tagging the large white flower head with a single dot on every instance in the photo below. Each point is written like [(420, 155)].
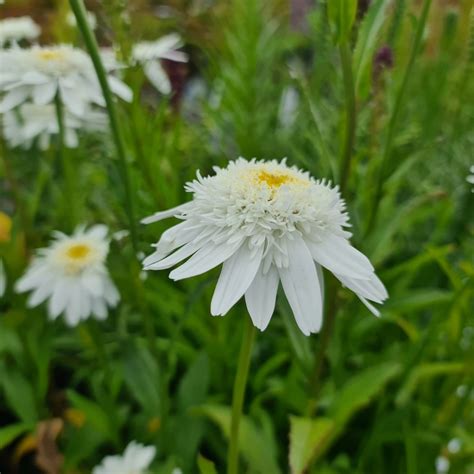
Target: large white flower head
[(135, 460), (149, 54), (13, 30), (266, 222), (39, 73), (29, 122), (71, 274)]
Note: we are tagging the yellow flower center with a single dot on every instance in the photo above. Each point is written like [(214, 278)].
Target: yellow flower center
[(78, 252), (274, 180), (50, 55)]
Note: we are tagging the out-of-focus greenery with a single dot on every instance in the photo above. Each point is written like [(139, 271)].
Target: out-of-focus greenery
[(392, 392)]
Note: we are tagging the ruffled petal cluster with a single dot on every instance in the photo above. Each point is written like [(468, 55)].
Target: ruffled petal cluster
[(40, 73), (30, 122), (150, 53), (266, 223), (15, 29), (135, 460), (71, 275)]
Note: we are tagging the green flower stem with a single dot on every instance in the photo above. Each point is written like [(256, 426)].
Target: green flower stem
[(238, 396), (351, 115), (68, 172), (325, 336), (79, 10), (394, 117)]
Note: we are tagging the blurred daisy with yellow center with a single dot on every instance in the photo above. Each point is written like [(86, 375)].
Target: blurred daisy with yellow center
[(71, 274), (266, 223), (40, 72)]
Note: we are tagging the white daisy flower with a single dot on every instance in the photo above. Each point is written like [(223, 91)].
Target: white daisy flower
[(3, 279), (135, 460), (72, 275), (40, 72), (13, 30), (22, 126), (266, 222), (470, 176), (149, 54)]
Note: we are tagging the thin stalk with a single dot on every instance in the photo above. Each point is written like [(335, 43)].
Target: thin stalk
[(68, 172), (238, 396), (394, 117), (325, 337), (351, 116), (79, 10)]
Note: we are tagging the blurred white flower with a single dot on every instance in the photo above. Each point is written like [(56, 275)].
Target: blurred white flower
[(288, 110), (40, 73), (454, 445), (470, 176), (91, 19), (266, 222), (149, 54), (442, 465), (16, 29), (135, 460), (72, 275), (29, 122), (3, 279)]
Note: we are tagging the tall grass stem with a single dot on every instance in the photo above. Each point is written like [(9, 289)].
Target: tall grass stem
[(351, 115), (395, 114), (79, 10), (238, 395)]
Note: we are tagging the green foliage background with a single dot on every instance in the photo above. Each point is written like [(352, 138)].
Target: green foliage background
[(391, 392)]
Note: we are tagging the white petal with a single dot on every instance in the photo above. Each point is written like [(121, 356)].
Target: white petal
[(111, 294), (156, 261), (120, 89), (236, 276), (338, 256), (99, 308), (72, 100), (43, 94), (58, 299), (157, 76), (372, 289), (261, 297), (321, 282), (158, 216), (93, 282), (204, 259), (73, 307), (301, 285), (369, 306), (98, 231), (13, 98), (40, 294)]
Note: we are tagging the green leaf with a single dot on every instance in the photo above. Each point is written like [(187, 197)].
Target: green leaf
[(205, 466), (95, 415), (255, 448), (360, 389), (142, 377), (307, 436), (9, 433), (19, 396), (367, 41), (341, 14), (194, 385)]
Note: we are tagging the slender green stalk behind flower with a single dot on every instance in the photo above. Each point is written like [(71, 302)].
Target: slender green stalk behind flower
[(39, 73), (266, 222), (71, 274)]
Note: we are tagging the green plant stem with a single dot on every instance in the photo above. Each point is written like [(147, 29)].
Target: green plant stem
[(68, 172), (78, 8), (351, 115), (395, 114), (238, 396), (325, 336)]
